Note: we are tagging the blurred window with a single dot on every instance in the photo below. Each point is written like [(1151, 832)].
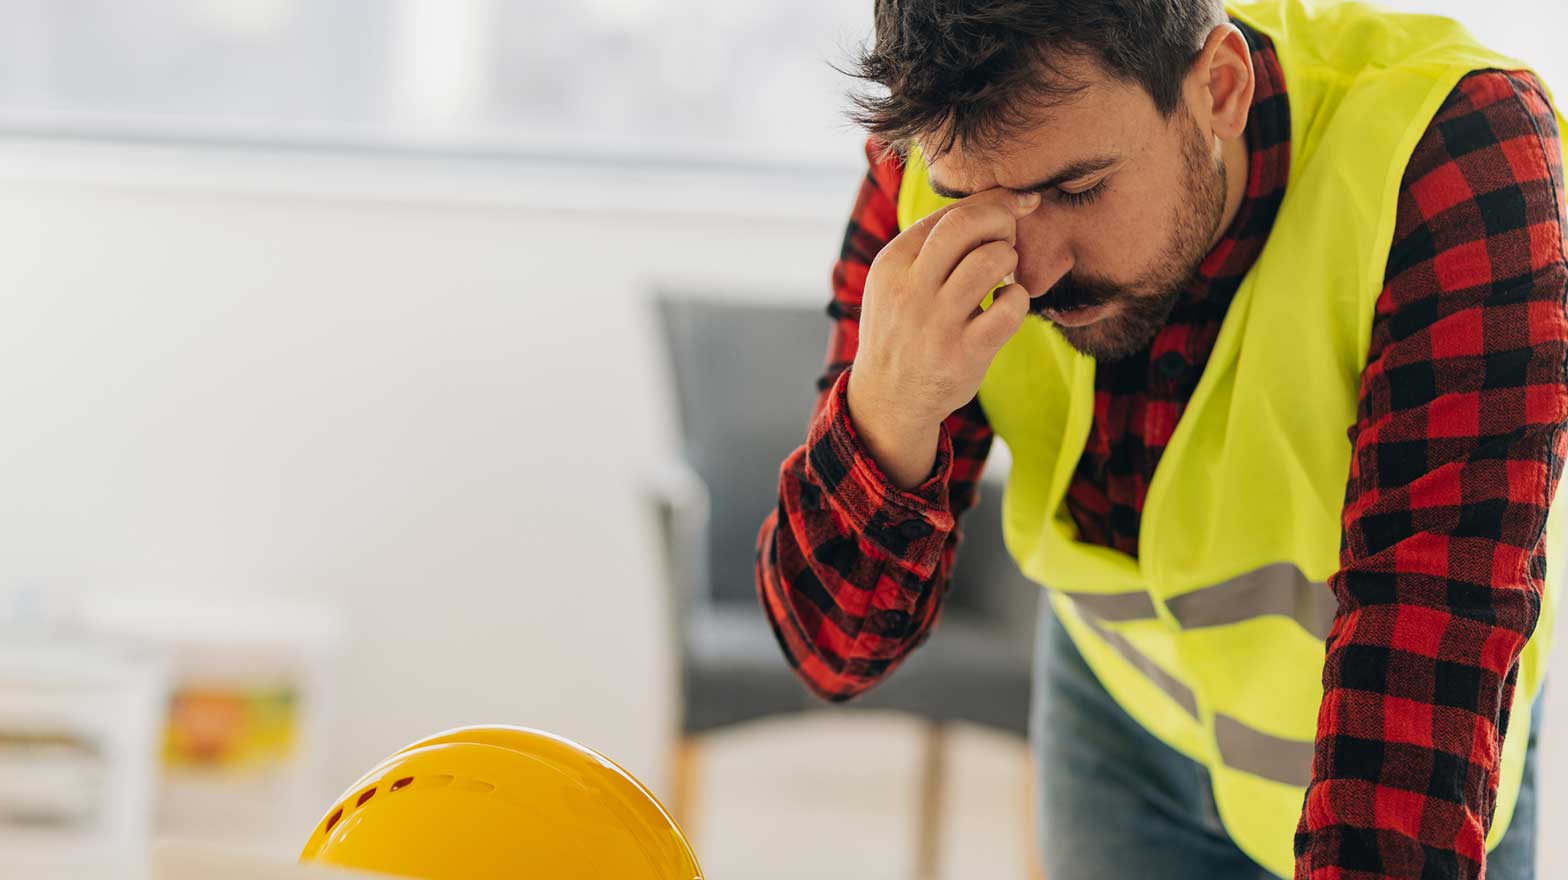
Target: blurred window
[(738, 80), (743, 81)]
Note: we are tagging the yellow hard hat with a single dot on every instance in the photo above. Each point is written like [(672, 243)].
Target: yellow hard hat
[(481, 802)]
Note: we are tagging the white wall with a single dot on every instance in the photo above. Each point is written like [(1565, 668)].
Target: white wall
[(424, 394)]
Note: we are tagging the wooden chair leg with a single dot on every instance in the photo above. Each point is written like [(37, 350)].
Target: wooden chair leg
[(928, 831), (1031, 807), (684, 783)]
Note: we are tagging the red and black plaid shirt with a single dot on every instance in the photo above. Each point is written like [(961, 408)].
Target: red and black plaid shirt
[(1457, 449)]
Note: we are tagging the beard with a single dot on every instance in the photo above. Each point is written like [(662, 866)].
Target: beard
[(1141, 307)]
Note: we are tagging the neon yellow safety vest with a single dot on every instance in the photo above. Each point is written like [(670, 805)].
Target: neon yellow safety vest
[(1213, 638)]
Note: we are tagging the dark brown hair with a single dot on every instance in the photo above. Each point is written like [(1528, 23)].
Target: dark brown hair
[(974, 72)]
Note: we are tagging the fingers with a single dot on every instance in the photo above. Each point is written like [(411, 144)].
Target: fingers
[(904, 249), (990, 216), (980, 271), (991, 329)]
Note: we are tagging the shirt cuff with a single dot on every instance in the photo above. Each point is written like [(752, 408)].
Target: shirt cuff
[(912, 524)]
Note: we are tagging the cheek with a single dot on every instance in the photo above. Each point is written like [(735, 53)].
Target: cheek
[(1118, 240)]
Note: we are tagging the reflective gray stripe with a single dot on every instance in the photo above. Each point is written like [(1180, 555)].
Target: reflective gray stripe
[(1241, 747), (1174, 689), (1261, 754), (1279, 589), (1114, 607)]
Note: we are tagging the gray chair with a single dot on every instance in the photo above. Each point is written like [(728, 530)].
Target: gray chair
[(744, 376)]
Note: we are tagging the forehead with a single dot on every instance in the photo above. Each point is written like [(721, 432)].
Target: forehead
[(1107, 117)]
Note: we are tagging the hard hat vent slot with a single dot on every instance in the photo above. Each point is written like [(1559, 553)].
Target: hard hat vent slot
[(437, 781), (369, 793), (478, 785), (332, 822), (403, 783)]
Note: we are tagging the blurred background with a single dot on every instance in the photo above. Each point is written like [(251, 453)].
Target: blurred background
[(373, 367)]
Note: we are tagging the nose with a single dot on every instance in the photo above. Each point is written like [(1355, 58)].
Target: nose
[(1044, 255)]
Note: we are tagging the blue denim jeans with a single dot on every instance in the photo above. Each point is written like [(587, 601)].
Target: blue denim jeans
[(1115, 802)]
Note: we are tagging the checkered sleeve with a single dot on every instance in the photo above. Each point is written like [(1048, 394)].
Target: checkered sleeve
[(1457, 449), (851, 569)]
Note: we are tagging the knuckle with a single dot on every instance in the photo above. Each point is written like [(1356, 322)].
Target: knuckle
[(999, 255), (1006, 255), (956, 222), (885, 267), (983, 340), (880, 260)]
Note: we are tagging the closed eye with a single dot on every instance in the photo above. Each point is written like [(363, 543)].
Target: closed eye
[(1084, 197)]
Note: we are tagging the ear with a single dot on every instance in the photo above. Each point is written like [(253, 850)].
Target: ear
[(1220, 85)]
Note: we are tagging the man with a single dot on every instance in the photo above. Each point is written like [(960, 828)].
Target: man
[(1269, 308)]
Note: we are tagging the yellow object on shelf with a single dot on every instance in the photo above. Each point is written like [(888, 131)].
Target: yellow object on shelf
[(233, 728), (494, 802)]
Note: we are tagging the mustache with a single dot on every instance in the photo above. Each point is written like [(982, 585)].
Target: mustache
[(1073, 292)]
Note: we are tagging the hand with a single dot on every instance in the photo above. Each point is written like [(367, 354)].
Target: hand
[(925, 343)]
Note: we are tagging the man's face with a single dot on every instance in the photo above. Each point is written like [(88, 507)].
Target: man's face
[(1131, 204)]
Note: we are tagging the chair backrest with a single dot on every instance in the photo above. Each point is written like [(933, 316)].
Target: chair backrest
[(745, 382)]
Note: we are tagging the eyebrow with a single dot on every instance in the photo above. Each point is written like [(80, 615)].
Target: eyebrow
[(1074, 171)]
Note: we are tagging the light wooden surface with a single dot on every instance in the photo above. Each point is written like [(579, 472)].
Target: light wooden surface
[(174, 860), (850, 795), (987, 807)]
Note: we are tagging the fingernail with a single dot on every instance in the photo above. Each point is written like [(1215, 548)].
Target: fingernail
[(1008, 279), (1027, 199)]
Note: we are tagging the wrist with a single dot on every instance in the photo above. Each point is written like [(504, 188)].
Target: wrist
[(904, 448)]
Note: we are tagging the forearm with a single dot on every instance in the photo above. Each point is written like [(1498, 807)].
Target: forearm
[(1456, 457)]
